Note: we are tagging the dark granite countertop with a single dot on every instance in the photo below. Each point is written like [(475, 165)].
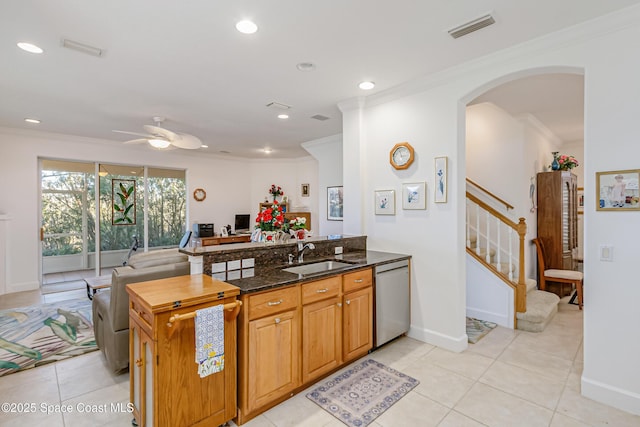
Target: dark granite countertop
[(273, 276)]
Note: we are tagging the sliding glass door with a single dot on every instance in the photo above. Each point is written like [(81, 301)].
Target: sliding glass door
[(137, 205)]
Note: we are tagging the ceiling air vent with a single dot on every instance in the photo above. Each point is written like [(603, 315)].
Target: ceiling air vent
[(278, 105), (320, 117), (472, 26)]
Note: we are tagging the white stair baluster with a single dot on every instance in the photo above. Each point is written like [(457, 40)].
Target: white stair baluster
[(498, 246), (468, 227), (477, 229), (488, 255), (510, 254)]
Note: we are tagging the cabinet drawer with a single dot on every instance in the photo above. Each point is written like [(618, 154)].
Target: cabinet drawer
[(357, 280), (321, 289), (273, 302), (140, 313)]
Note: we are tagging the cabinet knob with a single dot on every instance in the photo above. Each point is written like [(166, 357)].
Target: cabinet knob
[(339, 304), (270, 303), (139, 362), (322, 291), (277, 320), (348, 302)]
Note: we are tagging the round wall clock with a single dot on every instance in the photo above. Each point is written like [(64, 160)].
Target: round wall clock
[(199, 194), (401, 155)]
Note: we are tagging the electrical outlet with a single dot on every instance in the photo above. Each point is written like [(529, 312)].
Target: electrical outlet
[(338, 250)]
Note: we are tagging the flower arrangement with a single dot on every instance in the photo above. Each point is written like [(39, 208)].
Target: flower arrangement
[(565, 162), (271, 219), (298, 223), (276, 191)]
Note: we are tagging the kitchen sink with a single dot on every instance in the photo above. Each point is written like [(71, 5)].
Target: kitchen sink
[(317, 267)]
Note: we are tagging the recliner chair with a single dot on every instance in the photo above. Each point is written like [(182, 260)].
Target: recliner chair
[(111, 307)]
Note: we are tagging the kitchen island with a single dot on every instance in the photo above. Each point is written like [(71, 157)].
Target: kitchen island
[(296, 328)]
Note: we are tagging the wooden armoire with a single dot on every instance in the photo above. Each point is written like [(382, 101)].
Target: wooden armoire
[(558, 218)]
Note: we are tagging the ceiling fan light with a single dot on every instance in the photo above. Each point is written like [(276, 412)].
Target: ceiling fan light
[(159, 143)]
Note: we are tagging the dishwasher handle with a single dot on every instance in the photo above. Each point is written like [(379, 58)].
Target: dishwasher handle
[(392, 266)]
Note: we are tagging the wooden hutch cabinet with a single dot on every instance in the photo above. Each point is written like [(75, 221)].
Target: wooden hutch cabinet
[(558, 218)]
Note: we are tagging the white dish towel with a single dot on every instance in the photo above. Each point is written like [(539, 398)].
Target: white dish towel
[(209, 325)]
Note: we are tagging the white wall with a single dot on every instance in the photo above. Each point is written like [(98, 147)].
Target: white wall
[(232, 185), (328, 152), (429, 113)]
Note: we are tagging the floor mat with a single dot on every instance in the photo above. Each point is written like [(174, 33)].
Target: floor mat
[(362, 393), (476, 329), (40, 334)]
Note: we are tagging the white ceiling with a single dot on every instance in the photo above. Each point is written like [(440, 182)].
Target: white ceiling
[(184, 60)]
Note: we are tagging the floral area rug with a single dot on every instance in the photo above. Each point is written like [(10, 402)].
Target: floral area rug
[(476, 329), (40, 334), (362, 393)]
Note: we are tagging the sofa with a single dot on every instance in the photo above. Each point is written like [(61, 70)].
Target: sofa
[(111, 307)]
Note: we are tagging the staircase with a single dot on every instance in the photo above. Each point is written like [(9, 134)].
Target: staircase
[(491, 240)]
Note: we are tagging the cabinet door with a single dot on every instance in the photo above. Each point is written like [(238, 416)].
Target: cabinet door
[(321, 337), (357, 323), (273, 358), (141, 375)]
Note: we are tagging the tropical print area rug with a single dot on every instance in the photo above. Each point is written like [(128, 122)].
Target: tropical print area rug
[(40, 334), (362, 393), (477, 329)]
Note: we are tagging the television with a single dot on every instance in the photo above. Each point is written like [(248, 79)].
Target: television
[(242, 223)]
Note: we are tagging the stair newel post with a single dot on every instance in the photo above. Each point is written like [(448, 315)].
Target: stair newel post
[(521, 288)]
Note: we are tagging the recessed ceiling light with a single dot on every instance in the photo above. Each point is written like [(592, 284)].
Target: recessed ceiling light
[(204, 146), (367, 85), (306, 66), (246, 27), (36, 121), (267, 150), (283, 116), (159, 143), (31, 48)]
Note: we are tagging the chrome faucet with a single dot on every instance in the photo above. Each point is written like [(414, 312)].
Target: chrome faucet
[(301, 249)]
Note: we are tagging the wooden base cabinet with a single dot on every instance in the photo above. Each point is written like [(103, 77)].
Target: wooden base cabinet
[(291, 337), (165, 387)]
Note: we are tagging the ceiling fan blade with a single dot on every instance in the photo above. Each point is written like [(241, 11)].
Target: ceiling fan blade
[(133, 133), (136, 141), (186, 141), (161, 132)]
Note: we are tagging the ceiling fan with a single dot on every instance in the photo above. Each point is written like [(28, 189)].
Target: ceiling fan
[(159, 137)]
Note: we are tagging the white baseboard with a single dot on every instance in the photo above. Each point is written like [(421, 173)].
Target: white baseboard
[(604, 393), (21, 287), (499, 318), (436, 338)]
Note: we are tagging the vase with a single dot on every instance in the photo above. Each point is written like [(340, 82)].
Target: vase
[(298, 234), (272, 236), (555, 164)]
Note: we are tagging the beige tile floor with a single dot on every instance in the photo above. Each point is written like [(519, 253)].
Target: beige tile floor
[(509, 378)]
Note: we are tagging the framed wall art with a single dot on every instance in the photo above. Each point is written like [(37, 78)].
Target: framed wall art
[(334, 203), (385, 202), (617, 190), (441, 180), (123, 201), (580, 200), (413, 195)]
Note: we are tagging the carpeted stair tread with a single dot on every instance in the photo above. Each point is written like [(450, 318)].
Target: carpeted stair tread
[(483, 252), (541, 308), (532, 285), (503, 267)]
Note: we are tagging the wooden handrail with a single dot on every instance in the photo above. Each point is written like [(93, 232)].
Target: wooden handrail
[(492, 211), (493, 196)]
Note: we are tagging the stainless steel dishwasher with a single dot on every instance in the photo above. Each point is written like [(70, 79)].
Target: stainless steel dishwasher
[(392, 315)]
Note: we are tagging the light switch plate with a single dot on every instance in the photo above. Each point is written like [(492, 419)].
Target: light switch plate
[(606, 253), (338, 250), (218, 267), (248, 262), (233, 265)]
